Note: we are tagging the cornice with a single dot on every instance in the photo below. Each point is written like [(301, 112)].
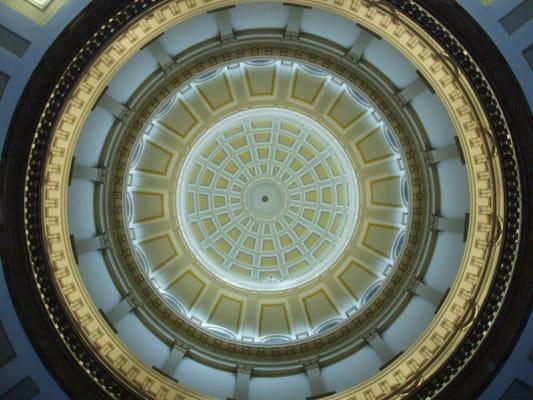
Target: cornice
[(473, 317)]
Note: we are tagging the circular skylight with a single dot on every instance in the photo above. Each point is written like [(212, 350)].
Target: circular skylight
[(267, 199)]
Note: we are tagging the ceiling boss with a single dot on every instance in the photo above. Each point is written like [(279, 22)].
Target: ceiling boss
[(264, 200)]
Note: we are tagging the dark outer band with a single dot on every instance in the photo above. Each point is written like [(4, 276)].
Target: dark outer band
[(467, 371)]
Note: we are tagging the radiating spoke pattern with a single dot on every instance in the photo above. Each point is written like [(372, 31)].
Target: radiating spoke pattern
[(267, 198)]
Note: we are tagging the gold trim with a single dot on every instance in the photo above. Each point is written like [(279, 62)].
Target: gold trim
[(356, 322), (354, 264), (285, 314), (474, 278), (221, 105), (373, 182), (306, 309), (146, 193), (315, 96), (156, 268), (197, 296), (273, 83), (239, 315), (152, 142), (379, 225)]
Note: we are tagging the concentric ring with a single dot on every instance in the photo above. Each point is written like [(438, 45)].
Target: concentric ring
[(456, 80), (267, 199)]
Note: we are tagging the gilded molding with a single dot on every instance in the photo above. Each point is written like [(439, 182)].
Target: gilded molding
[(327, 342), (470, 117)]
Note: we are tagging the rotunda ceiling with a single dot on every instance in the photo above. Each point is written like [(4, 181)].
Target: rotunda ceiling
[(247, 219), (270, 203)]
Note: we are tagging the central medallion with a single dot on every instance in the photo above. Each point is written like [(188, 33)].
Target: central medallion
[(267, 199)]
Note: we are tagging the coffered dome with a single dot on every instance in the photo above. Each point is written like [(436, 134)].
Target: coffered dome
[(261, 200), (250, 199), (267, 199)]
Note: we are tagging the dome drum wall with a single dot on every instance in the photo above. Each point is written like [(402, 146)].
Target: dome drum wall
[(148, 383), (385, 294), (221, 298)]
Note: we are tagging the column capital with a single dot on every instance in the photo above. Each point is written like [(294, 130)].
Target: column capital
[(371, 333), (308, 364), (244, 369), (412, 284), (181, 346), (133, 299)]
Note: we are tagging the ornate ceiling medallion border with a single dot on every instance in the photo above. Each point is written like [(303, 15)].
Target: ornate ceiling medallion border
[(462, 306), (388, 299)]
